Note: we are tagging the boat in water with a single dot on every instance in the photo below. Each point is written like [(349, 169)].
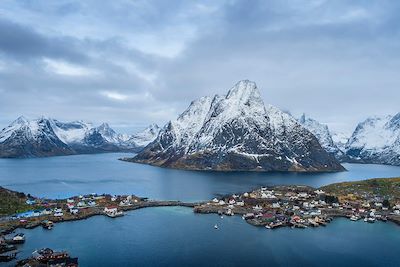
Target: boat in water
[(49, 257), (354, 218), (17, 239), (47, 225)]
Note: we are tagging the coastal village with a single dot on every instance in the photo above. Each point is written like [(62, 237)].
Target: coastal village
[(294, 206), (299, 206), (40, 212)]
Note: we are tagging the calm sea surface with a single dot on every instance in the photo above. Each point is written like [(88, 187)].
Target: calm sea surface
[(177, 236), (102, 173)]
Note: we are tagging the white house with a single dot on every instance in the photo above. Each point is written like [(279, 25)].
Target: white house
[(110, 209), (58, 214)]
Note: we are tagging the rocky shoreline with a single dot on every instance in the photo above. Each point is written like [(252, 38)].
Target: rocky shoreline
[(75, 208), (304, 206)]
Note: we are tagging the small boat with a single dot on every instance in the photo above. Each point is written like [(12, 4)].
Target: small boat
[(371, 220), (216, 227), (47, 225), (17, 239), (115, 214), (354, 218), (365, 219)]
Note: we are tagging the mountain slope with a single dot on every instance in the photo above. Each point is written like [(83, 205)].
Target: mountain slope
[(49, 137), (323, 135), (376, 140), (237, 132), (143, 138), (36, 138)]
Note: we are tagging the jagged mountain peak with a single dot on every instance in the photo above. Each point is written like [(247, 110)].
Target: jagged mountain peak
[(244, 92), (47, 137), (236, 131), (153, 128), (20, 120), (143, 138), (323, 134)]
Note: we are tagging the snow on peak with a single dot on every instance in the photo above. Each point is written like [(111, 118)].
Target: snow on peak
[(236, 131), (322, 133), (148, 135), (376, 140), (244, 92), (20, 120)]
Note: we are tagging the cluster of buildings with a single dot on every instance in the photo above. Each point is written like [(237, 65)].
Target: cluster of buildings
[(45, 211), (297, 206)]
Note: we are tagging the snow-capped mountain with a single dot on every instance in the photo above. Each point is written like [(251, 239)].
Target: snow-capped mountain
[(376, 140), (31, 139), (50, 137), (237, 132), (322, 133), (70, 132), (143, 138), (340, 139)]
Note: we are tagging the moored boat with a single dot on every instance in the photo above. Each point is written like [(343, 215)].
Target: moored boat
[(47, 225), (17, 239), (354, 218)]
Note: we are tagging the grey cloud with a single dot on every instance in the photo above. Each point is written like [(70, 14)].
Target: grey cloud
[(24, 43), (335, 60)]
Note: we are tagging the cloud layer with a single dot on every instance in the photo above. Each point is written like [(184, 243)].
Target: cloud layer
[(132, 63)]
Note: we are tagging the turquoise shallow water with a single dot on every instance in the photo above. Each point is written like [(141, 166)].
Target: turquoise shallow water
[(177, 236)]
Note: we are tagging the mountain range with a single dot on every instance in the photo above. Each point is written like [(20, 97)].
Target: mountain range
[(237, 131), (49, 137), (375, 140)]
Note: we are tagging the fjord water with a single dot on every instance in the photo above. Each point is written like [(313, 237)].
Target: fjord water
[(59, 177), (178, 237)]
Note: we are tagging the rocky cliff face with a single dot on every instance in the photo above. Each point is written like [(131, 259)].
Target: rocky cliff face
[(237, 132), (322, 133), (376, 140)]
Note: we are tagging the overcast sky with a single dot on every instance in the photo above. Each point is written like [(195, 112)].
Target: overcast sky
[(131, 63)]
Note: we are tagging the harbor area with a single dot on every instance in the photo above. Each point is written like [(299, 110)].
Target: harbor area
[(299, 206)]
